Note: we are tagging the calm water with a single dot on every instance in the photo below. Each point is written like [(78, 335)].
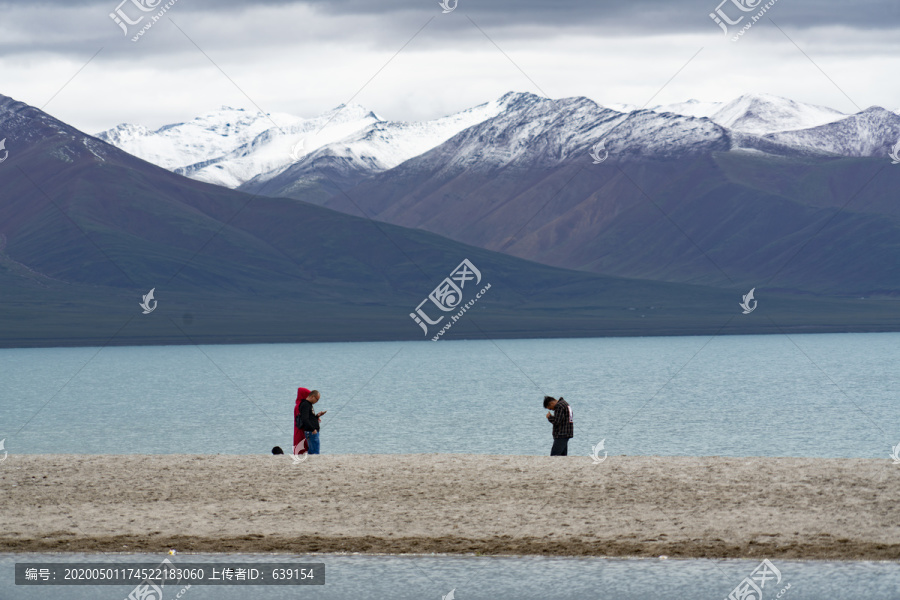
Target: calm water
[(818, 396), (430, 578)]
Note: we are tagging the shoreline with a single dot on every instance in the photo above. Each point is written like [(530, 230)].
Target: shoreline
[(453, 504), (827, 549), (187, 555), (550, 334)]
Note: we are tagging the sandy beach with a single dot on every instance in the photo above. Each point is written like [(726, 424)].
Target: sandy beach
[(445, 503)]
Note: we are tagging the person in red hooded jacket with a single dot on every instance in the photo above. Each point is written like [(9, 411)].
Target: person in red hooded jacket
[(300, 446)]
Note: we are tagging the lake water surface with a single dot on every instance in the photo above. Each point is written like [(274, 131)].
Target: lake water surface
[(832, 395)]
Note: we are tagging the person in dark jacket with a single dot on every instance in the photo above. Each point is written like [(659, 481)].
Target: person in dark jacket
[(563, 424), (299, 435), (309, 421)]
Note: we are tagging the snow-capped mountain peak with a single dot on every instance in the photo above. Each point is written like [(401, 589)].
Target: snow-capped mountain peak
[(278, 153), (379, 146), (231, 145), (690, 108), (871, 132), (754, 114), (761, 114)]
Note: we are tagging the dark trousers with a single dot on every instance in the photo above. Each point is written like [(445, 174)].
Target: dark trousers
[(560, 447)]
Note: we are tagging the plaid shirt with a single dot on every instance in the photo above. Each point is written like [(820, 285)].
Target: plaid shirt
[(563, 425)]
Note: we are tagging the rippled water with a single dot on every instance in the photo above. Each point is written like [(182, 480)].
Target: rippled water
[(829, 395), (492, 578)]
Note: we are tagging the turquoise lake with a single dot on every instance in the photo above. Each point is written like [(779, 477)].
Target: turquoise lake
[(828, 395)]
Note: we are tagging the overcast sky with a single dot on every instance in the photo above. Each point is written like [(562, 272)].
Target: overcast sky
[(307, 57)]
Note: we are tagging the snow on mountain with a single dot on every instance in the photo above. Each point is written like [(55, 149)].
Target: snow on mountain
[(755, 114), (531, 131), (536, 132), (872, 132), (279, 147), (391, 143), (762, 114), (691, 108), (230, 146), (183, 144), (622, 108), (281, 154), (375, 148)]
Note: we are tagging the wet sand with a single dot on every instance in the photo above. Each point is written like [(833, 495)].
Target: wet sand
[(626, 506)]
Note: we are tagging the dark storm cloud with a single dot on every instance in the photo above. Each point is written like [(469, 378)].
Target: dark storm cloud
[(629, 18), (76, 28), (409, 61), (638, 15)]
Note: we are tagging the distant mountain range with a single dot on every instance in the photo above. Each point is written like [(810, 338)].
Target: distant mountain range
[(636, 245), (234, 148), (285, 155), (695, 192)]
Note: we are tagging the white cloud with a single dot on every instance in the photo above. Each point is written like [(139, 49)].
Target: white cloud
[(298, 59)]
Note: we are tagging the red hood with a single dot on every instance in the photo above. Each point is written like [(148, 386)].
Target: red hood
[(302, 393)]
